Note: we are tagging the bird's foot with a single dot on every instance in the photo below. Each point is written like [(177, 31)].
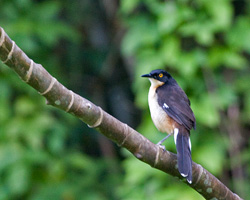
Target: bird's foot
[(161, 146)]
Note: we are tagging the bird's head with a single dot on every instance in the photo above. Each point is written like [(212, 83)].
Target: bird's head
[(158, 77)]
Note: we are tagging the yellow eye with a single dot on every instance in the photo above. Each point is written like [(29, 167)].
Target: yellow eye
[(160, 75)]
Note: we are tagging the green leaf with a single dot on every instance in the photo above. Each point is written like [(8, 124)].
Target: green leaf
[(205, 110), (187, 64), (238, 36), (221, 12), (128, 6), (18, 179), (211, 151), (24, 106), (168, 18), (143, 33), (220, 55), (170, 50)]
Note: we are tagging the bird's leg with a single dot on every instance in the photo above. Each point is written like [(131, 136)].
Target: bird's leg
[(160, 143)]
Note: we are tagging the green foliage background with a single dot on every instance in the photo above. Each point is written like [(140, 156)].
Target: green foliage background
[(99, 49)]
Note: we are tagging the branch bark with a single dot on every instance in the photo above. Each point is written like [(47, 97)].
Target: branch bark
[(123, 135)]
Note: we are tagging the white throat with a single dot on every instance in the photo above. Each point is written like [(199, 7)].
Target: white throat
[(155, 83)]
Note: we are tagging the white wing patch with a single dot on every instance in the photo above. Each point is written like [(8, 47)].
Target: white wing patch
[(165, 105), (176, 131), (190, 144)]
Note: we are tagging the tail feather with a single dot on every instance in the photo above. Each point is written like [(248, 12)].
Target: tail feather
[(184, 158)]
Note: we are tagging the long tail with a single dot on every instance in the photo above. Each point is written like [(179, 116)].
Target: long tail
[(183, 146)]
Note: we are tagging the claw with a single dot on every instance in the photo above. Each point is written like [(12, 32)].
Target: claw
[(161, 146)]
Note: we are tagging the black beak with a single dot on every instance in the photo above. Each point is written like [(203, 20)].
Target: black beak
[(146, 75)]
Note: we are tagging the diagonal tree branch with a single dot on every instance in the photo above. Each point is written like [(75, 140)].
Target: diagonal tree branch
[(59, 96)]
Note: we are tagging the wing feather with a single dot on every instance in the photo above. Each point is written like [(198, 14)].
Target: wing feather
[(176, 104)]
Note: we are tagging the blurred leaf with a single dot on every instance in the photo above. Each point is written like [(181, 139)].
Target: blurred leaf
[(170, 50), (56, 142), (169, 18), (187, 64), (46, 10), (128, 6), (201, 30), (211, 152), (142, 33), (24, 106), (205, 111), (9, 154), (225, 96), (221, 13), (223, 56), (238, 35), (79, 161), (18, 172), (4, 103), (136, 177)]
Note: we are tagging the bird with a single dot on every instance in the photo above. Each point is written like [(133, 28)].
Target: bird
[(171, 113)]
